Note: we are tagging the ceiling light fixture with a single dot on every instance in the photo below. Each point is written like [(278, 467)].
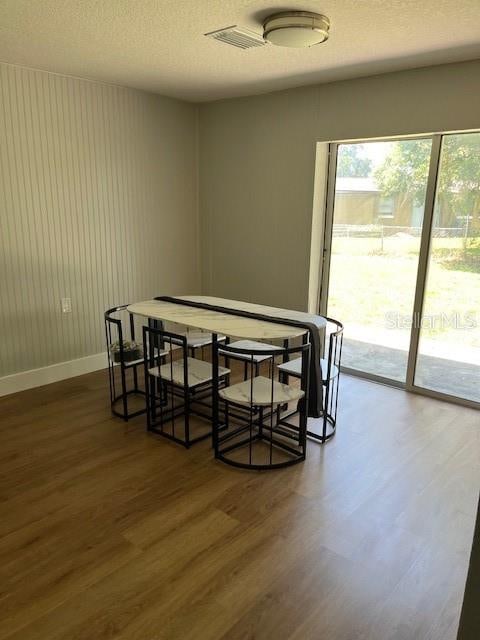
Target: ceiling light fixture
[(296, 29)]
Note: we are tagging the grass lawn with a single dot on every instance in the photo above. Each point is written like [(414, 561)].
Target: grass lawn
[(371, 288)]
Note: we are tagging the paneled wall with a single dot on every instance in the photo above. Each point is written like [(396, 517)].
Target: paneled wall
[(98, 203)]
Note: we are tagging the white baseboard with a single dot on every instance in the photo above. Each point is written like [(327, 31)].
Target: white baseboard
[(52, 373)]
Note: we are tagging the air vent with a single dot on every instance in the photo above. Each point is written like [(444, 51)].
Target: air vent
[(237, 37)]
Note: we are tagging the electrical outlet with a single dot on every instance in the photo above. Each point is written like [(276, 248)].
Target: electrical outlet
[(66, 305)]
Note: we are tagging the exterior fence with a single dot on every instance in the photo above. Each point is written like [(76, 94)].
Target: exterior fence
[(385, 231)]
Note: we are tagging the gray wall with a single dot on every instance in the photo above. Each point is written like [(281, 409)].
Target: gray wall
[(257, 167), (98, 202)]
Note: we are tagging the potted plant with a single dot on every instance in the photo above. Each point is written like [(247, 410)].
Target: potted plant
[(131, 351)]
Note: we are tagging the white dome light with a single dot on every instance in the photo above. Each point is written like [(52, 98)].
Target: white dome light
[(296, 29)]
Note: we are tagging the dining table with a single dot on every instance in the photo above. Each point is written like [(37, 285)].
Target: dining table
[(246, 320)]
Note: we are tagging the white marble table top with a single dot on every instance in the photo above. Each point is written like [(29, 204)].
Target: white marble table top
[(274, 312), (224, 323)]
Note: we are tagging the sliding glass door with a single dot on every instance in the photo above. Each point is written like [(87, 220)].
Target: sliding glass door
[(448, 359), (402, 260), (377, 221)]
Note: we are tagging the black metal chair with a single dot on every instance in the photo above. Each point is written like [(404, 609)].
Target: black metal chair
[(332, 341), (177, 385), (196, 338), (200, 340), (255, 433), (125, 355), (250, 345)]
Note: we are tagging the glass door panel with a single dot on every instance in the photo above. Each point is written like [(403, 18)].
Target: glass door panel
[(378, 211), (448, 358)]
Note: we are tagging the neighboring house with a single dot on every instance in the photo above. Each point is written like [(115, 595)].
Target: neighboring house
[(359, 201)]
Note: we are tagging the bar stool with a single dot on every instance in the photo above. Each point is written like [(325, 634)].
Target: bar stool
[(176, 385), (125, 355), (256, 433), (330, 367)]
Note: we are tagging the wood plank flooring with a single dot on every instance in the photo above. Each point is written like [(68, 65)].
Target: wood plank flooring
[(108, 533)]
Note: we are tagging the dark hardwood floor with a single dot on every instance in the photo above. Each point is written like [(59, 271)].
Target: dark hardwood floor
[(106, 532)]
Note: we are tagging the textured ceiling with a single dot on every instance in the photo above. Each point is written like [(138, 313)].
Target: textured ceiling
[(158, 45)]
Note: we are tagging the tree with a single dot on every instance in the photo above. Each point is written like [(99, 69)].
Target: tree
[(350, 164), (459, 181), (404, 173)]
